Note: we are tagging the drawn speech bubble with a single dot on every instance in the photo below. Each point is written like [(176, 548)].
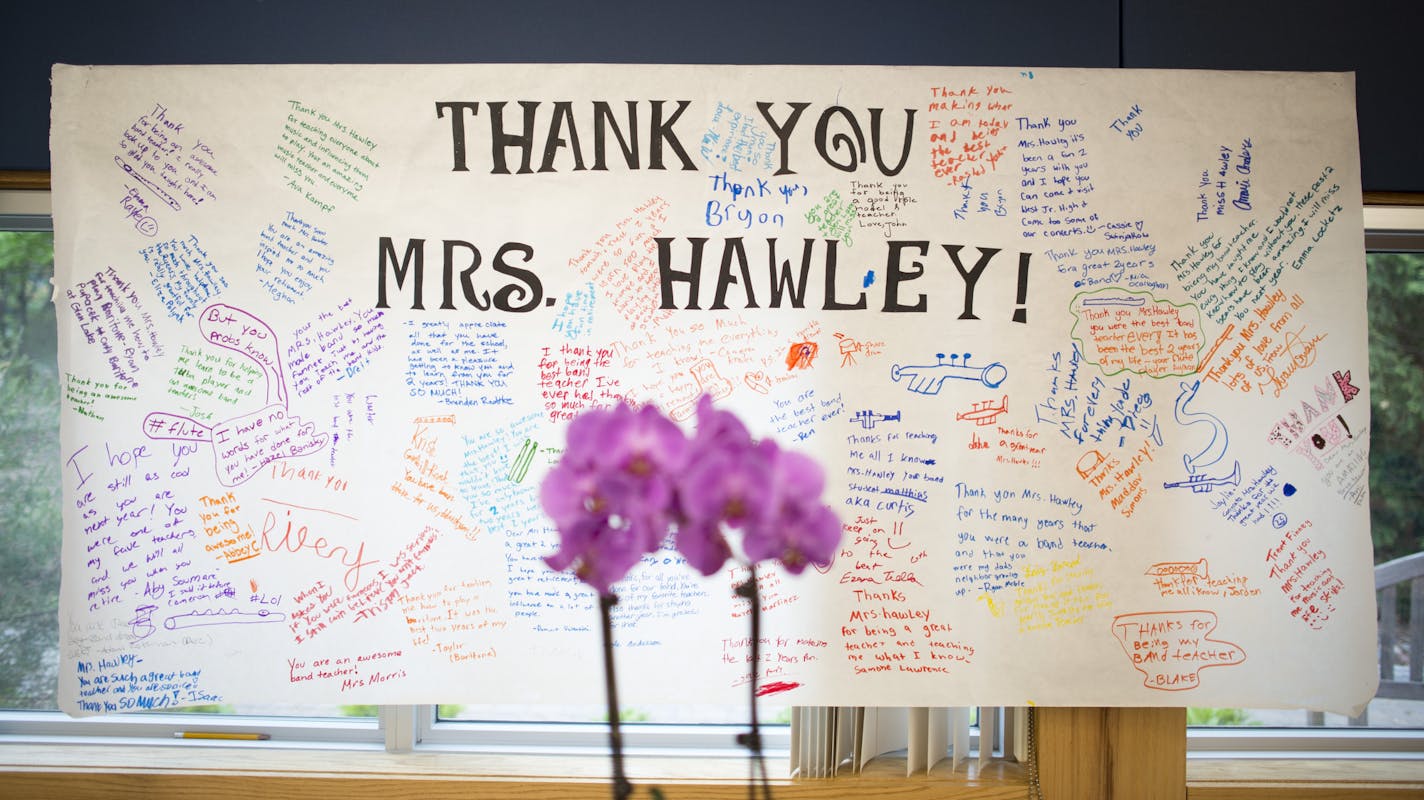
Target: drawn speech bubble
[(1124, 331), (1170, 648)]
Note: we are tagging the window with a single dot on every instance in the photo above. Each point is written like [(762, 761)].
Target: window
[(29, 477), (30, 388), (1395, 719), (30, 394)]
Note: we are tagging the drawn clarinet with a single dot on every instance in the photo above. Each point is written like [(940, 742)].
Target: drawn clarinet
[(868, 418)]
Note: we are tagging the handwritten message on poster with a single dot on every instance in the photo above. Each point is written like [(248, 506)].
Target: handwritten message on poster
[(1082, 354)]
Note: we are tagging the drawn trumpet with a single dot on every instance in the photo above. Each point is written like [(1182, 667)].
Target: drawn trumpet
[(984, 413), (1201, 484), (929, 378), (868, 418)]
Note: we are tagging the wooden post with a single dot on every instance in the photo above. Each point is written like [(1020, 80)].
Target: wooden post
[(1112, 753)]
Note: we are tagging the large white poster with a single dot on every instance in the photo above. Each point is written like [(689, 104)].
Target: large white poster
[(1081, 352)]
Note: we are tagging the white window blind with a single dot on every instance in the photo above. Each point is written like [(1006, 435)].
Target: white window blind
[(827, 741)]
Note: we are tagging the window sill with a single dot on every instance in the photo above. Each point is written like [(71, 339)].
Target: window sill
[(1304, 778), (237, 770)]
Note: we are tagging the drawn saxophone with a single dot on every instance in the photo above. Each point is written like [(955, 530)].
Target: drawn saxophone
[(1215, 449)]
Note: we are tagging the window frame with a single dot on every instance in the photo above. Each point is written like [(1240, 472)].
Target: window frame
[(406, 729), (399, 728), (690, 739), (31, 210)]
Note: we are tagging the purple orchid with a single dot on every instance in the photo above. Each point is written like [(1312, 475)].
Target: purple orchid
[(627, 477), (727, 482), (612, 494), (797, 528), (771, 495)]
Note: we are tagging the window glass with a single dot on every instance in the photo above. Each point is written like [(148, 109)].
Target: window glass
[(30, 524), (29, 473), (597, 712), (30, 387), (1396, 342)]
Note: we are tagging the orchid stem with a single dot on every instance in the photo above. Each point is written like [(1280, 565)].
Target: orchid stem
[(621, 787), (752, 740)]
